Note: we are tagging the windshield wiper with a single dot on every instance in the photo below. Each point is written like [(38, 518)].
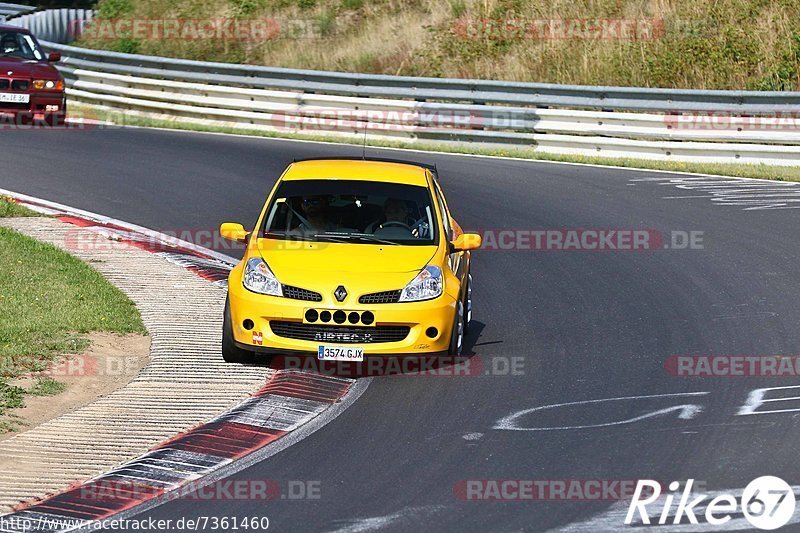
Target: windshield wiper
[(286, 235), (345, 237)]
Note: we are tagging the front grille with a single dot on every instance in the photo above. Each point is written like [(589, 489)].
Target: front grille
[(385, 297), (14, 85), (337, 334), (296, 293)]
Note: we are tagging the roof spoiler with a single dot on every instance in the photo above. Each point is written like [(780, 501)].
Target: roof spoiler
[(432, 168)]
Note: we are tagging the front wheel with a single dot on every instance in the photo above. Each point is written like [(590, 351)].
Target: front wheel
[(468, 304), (457, 336), (230, 352)]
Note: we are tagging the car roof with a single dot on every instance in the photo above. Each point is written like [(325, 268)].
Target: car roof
[(407, 173), (5, 27)]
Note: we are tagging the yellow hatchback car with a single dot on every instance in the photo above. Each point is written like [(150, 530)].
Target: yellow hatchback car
[(350, 258)]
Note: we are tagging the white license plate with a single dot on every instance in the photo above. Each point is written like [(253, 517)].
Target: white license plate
[(328, 352), (15, 98)]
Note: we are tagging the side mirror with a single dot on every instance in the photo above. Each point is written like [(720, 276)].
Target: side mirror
[(54, 57), (233, 232), (466, 241)]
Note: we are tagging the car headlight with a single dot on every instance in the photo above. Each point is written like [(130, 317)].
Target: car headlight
[(259, 278), (427, 285), (48, 84)]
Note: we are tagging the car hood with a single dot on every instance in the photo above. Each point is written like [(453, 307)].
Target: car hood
[(322, 266), (26, 68)]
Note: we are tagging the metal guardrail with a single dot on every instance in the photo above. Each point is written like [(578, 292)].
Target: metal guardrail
[(54, 25), (604, 121), (12, 10), (423, 89)]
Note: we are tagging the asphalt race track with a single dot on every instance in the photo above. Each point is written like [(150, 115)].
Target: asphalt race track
[(580, 325)]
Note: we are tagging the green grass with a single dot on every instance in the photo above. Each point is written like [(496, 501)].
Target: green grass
[(47, 387), (768, 172), (49, 301), (9, 208)]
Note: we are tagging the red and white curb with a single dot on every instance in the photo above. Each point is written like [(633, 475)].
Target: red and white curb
[(288, 401), (292, 405)]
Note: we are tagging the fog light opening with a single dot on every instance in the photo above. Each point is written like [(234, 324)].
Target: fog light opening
[(312, 315), (248, 324), (325, 316), (432, 332), (353, 317), (339, 317), (367, 317)]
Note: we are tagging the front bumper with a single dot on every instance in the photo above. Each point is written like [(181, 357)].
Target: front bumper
[(37, 105), (419, 317)]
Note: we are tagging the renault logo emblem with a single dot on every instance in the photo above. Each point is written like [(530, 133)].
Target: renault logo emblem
[(340, 293)]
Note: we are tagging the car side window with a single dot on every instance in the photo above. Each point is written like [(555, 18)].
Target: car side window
[(443, 209)]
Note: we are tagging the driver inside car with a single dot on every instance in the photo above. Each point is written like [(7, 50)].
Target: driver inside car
[(9, 44), (396, 210), (396, 220)]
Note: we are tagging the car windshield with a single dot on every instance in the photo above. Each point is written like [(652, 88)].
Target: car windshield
[(18, 44), (363, 212)]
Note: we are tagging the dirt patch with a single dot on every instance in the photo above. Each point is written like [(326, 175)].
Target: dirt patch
[(110, 362)]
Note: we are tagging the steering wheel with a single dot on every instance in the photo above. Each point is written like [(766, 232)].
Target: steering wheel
[(395, 223)]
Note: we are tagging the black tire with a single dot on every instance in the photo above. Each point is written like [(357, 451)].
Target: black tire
[(230, 352), (457, 335), (468, 304)]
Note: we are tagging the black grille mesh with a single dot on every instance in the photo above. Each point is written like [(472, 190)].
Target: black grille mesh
[(338, 334), (385, 297), (296, 293)]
